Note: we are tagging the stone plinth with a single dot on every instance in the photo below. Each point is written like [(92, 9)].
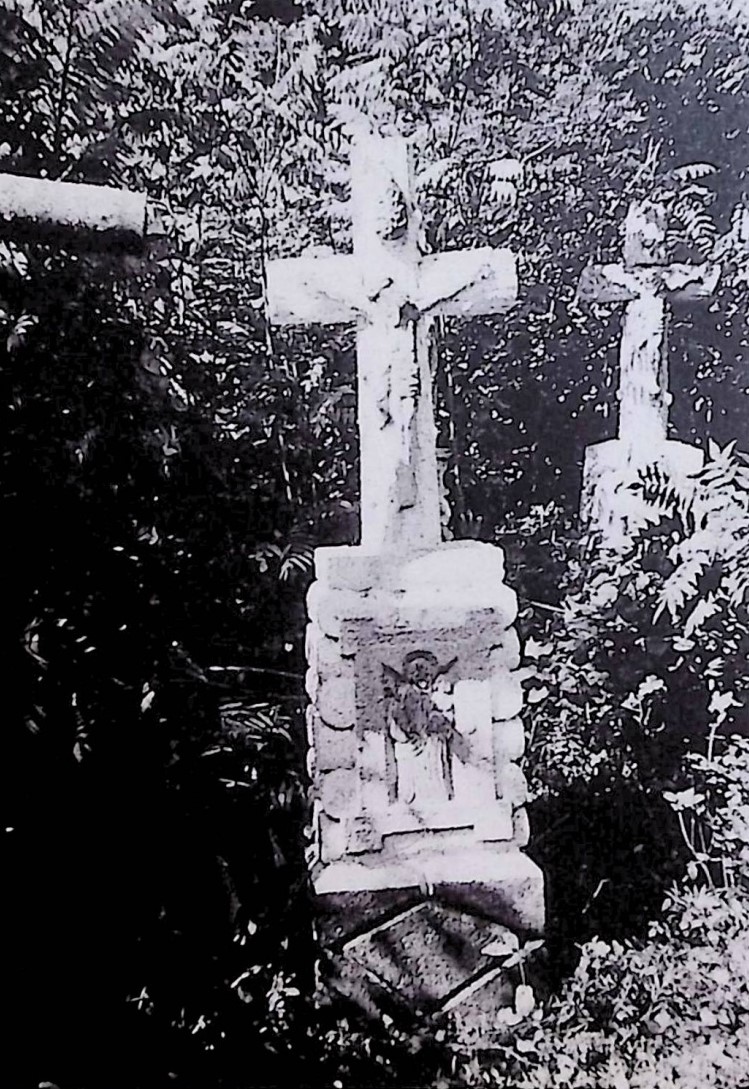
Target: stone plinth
[(608, 505), (414, 747), (432, 961)]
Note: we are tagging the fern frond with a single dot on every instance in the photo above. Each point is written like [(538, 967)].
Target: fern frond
[(694, 171), (682, 585), (667, 497)]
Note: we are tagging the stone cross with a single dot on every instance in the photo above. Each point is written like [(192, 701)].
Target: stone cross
[(393, 293), (414, 729), (647, 283), (98, 215)]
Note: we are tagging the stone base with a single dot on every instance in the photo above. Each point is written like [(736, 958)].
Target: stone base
[(608, 506), (415, 749), (432, 961), (506, 887)]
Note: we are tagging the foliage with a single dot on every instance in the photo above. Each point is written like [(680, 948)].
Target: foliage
[(671, 1008), (670, 1011), (170, 461)]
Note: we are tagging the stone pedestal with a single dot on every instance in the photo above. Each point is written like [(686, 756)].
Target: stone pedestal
[(415, 739), (608, 505)]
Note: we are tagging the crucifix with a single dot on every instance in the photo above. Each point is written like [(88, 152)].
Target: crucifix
[(648, 284), (392, 292), (413, 722)]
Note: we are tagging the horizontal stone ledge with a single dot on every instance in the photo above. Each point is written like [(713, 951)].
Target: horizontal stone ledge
[(506, 886), (452, 563)]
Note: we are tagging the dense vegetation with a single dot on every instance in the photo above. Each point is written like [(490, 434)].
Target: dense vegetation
[(170, 461)]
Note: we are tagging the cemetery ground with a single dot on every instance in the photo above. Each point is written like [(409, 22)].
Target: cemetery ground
[(505, 322)]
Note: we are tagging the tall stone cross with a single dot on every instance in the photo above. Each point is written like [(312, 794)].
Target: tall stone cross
[(648, 284), (97, 216), (392, 293), (414, 729)]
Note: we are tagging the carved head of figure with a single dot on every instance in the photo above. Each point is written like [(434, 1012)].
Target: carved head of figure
[(421, 668)]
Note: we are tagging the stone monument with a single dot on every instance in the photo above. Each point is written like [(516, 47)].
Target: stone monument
[(648, 284), (413, 724)]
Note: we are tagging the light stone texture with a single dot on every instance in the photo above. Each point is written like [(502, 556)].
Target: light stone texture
[(648, 284), (411, 648), (509, 740), (506, 695), (392, 293), (335, 700), (608, 502), (475, 699), (101, 211), (506, 886)]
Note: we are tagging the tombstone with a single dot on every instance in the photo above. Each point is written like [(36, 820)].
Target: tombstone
[(648, 284), (414, 725)]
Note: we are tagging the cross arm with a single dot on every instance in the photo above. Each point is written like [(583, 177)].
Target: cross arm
[(466, 283), (606, 284), (620, 283), (314, 290), (38, 206)]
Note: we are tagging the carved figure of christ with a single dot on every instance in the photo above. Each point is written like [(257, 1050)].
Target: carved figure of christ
[(648, 284), (392, 293)]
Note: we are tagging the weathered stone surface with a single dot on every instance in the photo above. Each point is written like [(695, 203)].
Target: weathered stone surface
[(363, 835), (327, 608), (506, 655), (423, 607), (509, 740), (521, 827), (340, 916), (494, 824), (507, 695), (349, 567), (452, 567), (424, 954), (475, 783), (511, 785), (339, 793), (312, 683), (332, 837), (473, 1010), (331, 663), (506, 887), (335, 748), (336, 703), (473, 705)]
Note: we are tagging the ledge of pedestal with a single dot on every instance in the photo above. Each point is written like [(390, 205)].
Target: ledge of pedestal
[(504, 886), (451, 563), (608, 505), (617, 454), (457, 582)]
